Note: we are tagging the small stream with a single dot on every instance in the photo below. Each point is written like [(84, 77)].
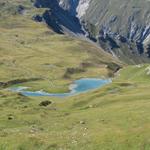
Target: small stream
[(79, 86)]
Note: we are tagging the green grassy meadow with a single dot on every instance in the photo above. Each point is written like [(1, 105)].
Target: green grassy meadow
[(31, 50), (115, 117)]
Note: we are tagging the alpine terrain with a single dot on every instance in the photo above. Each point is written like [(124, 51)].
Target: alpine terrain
[(74, 74)]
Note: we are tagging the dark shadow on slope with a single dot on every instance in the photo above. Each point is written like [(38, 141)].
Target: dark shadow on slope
[(58, 18)]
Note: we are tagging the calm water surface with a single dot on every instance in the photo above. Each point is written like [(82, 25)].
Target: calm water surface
[(78, 86)]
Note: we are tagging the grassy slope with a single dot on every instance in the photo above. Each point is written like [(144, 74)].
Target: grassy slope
[(114, 117), (31, 50)]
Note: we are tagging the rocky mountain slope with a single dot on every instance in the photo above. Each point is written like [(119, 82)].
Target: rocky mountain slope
[(121, 27)]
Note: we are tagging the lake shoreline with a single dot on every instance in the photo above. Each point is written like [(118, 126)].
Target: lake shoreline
[(82, 85)]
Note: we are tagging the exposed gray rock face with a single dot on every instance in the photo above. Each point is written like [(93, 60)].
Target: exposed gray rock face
[(69, 5), (75, 7), (121, 27), (82, 7)]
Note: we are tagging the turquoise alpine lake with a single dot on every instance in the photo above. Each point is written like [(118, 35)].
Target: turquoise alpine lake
[(78, 86)]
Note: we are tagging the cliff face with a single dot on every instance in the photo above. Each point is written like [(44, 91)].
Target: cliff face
[(61, 16), (121, 27), (75, 7)]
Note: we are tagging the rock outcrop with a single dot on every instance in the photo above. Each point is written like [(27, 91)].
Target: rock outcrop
[(121, 27)]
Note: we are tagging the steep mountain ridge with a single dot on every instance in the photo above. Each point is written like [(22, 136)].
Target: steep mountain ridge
[(126, 22), (120, 27)]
